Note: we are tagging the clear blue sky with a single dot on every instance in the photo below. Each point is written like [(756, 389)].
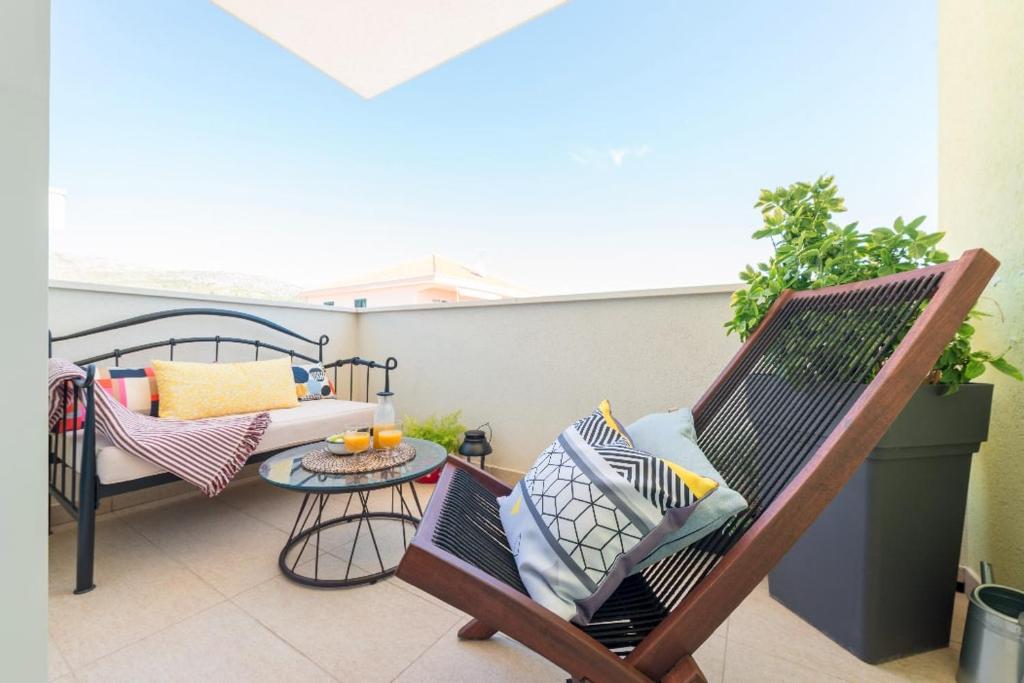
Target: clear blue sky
[(606, 145)]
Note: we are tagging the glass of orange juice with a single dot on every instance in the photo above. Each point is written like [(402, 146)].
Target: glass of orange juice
[(388, 437), (356, 442)]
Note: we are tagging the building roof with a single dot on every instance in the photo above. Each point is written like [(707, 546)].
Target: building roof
[(431, 270)]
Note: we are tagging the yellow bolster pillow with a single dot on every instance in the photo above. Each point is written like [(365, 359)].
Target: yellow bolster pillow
[(189, 391)]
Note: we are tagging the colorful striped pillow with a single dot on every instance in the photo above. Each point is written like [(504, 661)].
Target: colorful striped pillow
[(71, 420), (134, 388)]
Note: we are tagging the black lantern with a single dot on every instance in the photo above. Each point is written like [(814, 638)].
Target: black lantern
[(475, 445)]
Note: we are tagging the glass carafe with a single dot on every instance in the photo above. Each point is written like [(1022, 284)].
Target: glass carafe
[(383, 416)]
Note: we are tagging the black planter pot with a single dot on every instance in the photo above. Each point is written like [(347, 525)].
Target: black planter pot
[(877, 571)]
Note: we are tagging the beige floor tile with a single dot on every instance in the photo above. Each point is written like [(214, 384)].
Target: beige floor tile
[(59, 516), (711, 658), (937, 666), (174, 489), (387, 498), (56, 665), (766, 625), (746, 664), (722, 631), (388, 534), (278, 507), (270, 504), (221, 644), (367, 633), (139, 592), (956, 631), (152, 616), (399, 583), (338, 539), (763, 623), (228, 549), (425, 491), (392, 538), (498, 659)]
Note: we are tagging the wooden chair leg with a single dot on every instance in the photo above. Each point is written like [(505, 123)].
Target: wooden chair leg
[(685, 671), (476, 630)]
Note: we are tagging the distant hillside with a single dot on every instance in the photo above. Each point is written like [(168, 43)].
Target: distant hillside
[(106, 272)]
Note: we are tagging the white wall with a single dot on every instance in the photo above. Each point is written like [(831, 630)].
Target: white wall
[(24, 171), (76, 307), (981, 204), (531, 368)]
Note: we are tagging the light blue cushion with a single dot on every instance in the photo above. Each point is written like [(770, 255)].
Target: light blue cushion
[(671, 436)]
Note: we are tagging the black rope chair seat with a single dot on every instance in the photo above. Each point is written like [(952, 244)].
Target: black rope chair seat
[(470, 528)]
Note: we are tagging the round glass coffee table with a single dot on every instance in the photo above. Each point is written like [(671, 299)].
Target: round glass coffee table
[(285, 471)]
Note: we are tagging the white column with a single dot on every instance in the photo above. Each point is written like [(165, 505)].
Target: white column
[(981, 204), (24, 171)]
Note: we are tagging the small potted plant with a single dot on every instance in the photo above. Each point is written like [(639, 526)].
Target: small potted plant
[(876, 572), (444, 430)]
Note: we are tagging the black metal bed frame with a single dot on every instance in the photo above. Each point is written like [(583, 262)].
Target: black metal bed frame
[(81, 501)]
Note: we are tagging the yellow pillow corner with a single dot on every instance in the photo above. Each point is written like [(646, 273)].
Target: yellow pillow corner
[(191, 391), (606, 411), (700, 486)]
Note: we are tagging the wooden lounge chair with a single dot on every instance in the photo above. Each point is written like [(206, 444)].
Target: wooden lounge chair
[(787, 423)]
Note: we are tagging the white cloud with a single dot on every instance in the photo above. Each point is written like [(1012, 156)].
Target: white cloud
[(619, 154), (610, 157)]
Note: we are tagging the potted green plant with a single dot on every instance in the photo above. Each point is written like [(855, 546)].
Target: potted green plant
[(876, 572), (444, 430)]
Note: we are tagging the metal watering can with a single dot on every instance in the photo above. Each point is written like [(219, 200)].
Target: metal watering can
[(993, 644)]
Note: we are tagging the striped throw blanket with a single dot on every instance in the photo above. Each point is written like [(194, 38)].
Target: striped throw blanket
[(206, 453)]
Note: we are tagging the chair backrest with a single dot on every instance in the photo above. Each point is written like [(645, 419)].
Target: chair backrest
[(792, 417)]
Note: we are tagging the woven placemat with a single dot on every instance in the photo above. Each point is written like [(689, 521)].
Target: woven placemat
[(323, 461)]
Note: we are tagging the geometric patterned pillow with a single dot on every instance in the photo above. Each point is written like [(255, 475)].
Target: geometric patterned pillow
[(589, 509), (311, 382), (134, 388)]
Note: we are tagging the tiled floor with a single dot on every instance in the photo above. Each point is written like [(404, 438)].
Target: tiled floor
[(189, 589)]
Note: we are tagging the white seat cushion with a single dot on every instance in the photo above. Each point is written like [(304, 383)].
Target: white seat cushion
[(306, 422)]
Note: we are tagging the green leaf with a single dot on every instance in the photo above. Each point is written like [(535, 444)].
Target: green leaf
[(914, 224), (811, 251), (444, 430), (930, 240), (1005, 367), (975, 368)]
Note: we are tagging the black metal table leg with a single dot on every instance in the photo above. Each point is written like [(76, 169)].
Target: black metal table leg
[(419, 508), (303, 531)]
